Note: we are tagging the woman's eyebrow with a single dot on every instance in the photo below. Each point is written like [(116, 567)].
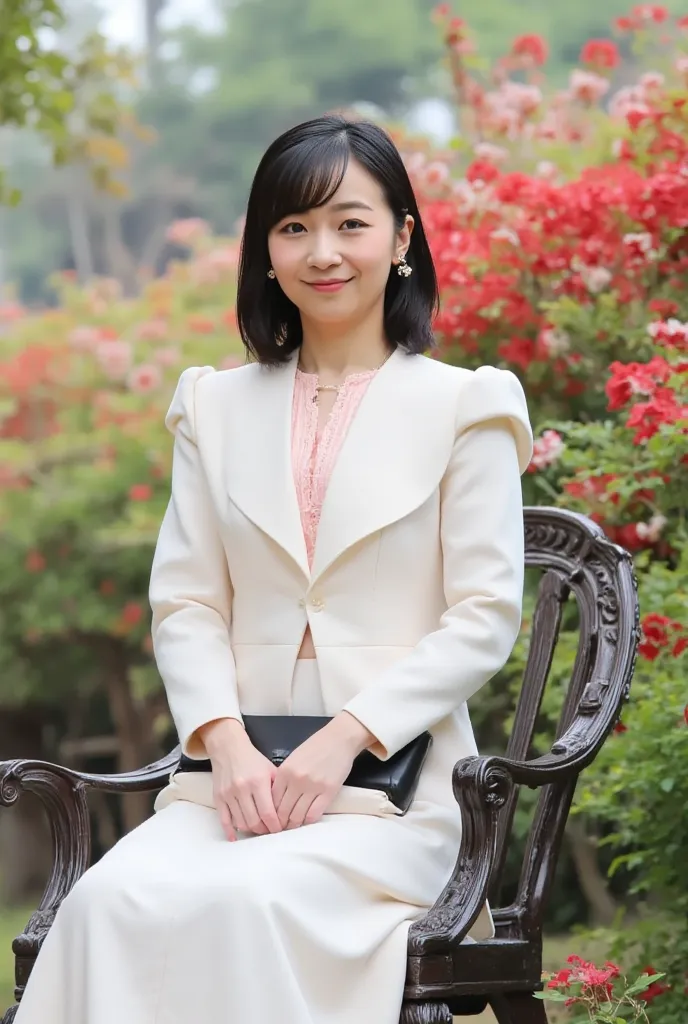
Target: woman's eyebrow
[(354, 204)]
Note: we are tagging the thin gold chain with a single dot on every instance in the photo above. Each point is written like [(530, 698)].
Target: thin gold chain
[(338, 387)]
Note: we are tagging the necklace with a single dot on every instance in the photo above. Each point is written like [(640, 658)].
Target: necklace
[(337, 387)]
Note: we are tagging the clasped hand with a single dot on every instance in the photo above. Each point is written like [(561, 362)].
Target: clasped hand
[(251, 795)]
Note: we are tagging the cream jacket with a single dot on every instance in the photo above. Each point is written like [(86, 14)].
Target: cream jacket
[(414, 597)]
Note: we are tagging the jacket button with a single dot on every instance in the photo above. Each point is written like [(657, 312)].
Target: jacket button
[(302, 603), (317, 604)]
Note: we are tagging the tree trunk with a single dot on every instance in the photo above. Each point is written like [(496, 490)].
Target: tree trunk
[(601, 903), (136, 748), (77, 216)]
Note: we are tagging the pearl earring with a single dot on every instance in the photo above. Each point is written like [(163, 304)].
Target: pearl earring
[(271, 274), (403, 269)]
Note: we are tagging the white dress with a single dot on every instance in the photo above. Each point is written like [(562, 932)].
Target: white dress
[(308, 926)]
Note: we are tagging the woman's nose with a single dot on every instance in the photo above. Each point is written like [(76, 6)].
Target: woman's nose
[(323, 254)]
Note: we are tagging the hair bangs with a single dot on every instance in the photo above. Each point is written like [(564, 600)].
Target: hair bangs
[(307, 176)]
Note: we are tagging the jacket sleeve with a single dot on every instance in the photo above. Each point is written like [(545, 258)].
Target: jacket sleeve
[(482, 540), (190, 588)]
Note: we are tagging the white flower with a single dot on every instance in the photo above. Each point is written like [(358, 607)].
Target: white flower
[(652, 530), (595, 279), (554, 341)]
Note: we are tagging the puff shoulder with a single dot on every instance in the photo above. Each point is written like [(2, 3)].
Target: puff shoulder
[(181, 413), (494, 394)]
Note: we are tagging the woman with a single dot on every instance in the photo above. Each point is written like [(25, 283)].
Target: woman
[(344, 539)]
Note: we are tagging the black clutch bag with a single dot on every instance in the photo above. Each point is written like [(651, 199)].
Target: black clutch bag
[(276, 736)]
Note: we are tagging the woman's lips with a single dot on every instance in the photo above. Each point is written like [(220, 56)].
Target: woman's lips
[(328, 286)]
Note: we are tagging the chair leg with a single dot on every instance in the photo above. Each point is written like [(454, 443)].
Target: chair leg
[(518, 1008), (425, 1013)]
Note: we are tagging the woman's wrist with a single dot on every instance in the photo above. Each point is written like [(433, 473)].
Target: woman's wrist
[(352, 733), (217, 734)]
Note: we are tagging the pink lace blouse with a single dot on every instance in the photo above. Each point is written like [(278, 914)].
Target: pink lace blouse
[(314, 454)]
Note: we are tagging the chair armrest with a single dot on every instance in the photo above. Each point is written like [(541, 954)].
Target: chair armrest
[(482, 786), (63, 793)]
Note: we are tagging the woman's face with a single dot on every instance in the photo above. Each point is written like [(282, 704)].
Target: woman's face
[(333, 261)]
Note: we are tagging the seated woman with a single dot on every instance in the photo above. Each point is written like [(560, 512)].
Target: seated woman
[(344, 539)]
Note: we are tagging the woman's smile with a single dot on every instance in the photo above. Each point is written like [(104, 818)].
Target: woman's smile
[(333, 285)]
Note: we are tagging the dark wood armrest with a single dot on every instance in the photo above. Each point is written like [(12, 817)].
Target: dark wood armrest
[(482, 786), (63, 793)]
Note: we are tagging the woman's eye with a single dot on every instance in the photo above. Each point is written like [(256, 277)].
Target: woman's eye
[(352, 224), (293, 228)]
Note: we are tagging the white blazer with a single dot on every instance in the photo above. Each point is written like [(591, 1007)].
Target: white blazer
[(414, 598)]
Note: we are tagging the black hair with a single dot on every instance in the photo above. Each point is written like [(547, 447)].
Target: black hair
[(301, 170)]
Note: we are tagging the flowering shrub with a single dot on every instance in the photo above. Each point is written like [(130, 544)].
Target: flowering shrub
[(560, 229), (601, 993), (84, 480)]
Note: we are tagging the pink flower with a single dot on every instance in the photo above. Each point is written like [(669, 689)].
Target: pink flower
[(672, 333), (595, 279), (488, 151), (546, 450), (187, 231), (152, 330), (588, 87), (167, 356), (85, 338), (115, 358), (144, 378)]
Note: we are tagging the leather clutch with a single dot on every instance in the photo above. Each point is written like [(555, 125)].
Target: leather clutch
[(277, 736)]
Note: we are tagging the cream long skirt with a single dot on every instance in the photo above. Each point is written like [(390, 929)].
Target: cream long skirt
[(309, 926)]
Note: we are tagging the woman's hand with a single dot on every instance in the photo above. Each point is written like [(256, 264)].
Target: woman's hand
[(308, 781), (242, 780)]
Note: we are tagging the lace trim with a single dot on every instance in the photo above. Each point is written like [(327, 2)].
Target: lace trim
[(314, 454)]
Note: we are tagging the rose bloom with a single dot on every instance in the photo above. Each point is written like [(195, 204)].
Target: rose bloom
[(144, 378), (546, 450), (588, 87), (601, 53), (115, 358), (488, 151), (532, 47)]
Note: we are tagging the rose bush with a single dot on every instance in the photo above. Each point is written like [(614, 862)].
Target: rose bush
[(560, 228), (84, 479)]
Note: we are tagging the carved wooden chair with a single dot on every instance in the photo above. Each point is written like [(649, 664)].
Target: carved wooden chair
[(444, 976)]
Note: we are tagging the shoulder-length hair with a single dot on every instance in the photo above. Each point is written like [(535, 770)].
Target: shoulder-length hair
[(301, 170)]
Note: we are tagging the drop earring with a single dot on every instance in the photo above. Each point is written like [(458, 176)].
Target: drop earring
[(271, 274), (403, 269)]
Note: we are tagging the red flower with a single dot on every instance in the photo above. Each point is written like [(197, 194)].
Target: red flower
[(685, 714), (650, 12), (600, 53), (140, 492), (630, 379), (35, 562), (657, 988), (481, 170), (519, 351), (533, 47), (132, 613), (620, 727)]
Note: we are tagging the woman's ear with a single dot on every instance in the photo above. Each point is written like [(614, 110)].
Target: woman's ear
[(403, 237)]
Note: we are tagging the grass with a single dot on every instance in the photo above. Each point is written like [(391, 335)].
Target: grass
[(13, 921)]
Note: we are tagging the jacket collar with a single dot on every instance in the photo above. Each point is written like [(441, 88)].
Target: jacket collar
[(392, 458)]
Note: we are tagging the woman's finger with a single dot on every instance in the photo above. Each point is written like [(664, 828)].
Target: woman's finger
[(287, 805), (300, 810), (266, 808), (226, 820)]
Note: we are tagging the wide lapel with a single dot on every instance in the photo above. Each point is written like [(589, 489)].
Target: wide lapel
[(393, 457), (259, 475)]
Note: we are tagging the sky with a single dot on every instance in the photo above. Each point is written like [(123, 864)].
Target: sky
[(123, 21)]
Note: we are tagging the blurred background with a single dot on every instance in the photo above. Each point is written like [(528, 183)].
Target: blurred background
[(129, 133)]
